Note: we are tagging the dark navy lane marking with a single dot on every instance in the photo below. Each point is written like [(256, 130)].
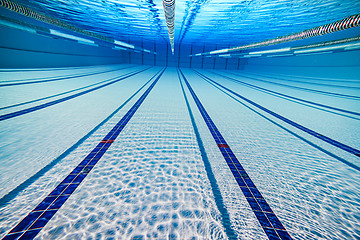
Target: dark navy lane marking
[(297, 81), (32, 224), (48, 104), (303, 89), (59, 94), (285, 96), (13, 193), (265, 215), (52, 79), (331, 141), (219, 201)]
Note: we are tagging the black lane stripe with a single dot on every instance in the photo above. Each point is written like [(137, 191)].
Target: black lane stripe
[(48, 104), (13, 193), (56, 95), (274, 93), (303, 89), (331, 141), (265, 215), (58, 78), (33, 223)]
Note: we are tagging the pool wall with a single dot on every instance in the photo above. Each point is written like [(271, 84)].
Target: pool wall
[(33, 49)]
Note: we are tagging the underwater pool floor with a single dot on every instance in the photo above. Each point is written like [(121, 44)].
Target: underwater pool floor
[(123, 152)]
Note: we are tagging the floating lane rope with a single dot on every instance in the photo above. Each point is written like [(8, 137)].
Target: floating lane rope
[(348, 22), (169, 10), (41, 17), (26, 11)]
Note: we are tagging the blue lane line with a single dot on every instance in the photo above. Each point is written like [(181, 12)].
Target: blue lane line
[(214, 185), (33, 223), (274, 93), (331, 141), (48, 104), (303, 89), (58, 78), (13, 193), (59, 94), (265, 215)]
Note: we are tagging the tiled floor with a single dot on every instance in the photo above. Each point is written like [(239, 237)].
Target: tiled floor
[(153, 180)]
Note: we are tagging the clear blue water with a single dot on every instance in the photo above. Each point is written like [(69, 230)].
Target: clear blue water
[(164, 176), (200, 22)]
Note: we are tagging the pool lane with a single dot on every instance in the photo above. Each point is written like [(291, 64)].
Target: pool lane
[(291, 98), (52, 79), (210, 174), (266, 217), (62, 93), (324, 138), (333, 94), (33, 223), (328, 84), (51, 103), (13, 193), (151, 183)]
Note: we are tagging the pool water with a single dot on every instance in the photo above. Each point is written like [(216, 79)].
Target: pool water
[(162, 146)]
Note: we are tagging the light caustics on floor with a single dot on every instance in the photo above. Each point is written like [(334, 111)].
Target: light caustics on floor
[(137, 152)]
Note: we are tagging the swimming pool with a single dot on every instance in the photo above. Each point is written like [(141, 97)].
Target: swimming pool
[(102, 143)]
